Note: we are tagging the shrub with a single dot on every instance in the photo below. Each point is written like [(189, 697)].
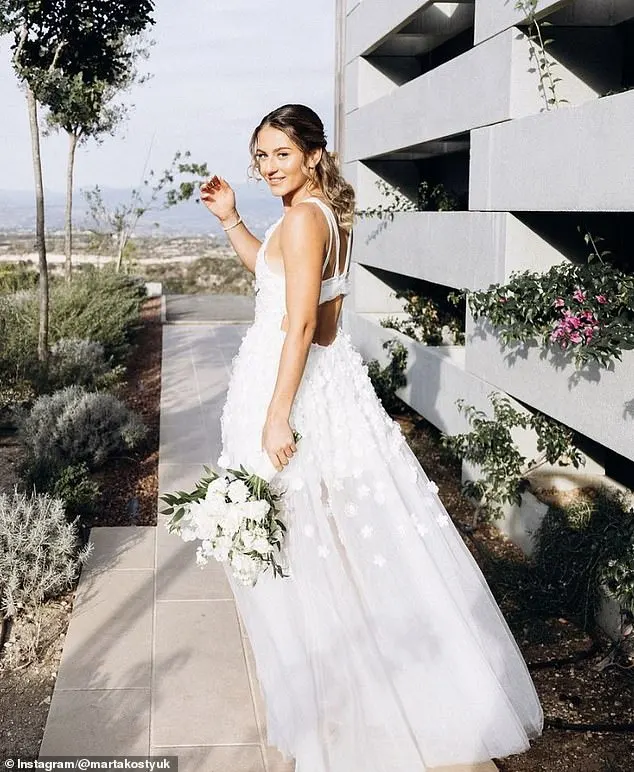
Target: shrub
[(18, 333), (17, 276), (79, 362), (40, 551), (387, 380), (98, 305), (78, 492), (73, 425), (583, 546)]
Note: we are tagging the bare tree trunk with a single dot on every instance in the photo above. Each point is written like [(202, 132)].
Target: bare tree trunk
[(40, 234), (68, 226)]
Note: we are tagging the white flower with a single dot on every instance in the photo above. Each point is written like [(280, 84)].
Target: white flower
[(323, 551), (443, 520), (232, 519), (221, 548), (379, 561), (309, 530), (363, 491), (245, 568), (188, 533), (223, 460), (379, 497), (238, 491), (262, 546), (256, 510), (218, 486), (422, 529), (431, 485), (207, 525), (367, 531), (401, 530), (351, 509), (201, 558)]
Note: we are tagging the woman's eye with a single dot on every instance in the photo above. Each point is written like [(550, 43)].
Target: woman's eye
[(283, 155)]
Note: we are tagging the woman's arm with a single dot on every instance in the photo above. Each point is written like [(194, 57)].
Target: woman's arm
[(303, 237), (219, 198)]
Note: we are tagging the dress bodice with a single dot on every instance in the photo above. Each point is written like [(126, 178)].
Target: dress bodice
[(271, 287)]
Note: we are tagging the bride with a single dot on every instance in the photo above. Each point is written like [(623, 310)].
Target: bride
[(384, 649)]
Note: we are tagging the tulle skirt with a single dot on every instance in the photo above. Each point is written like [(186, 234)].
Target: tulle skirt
[(384, 650)]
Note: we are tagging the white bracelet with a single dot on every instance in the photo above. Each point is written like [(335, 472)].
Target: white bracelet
[(234, 225)]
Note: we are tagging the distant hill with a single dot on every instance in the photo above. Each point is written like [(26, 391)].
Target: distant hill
[(256, 205)]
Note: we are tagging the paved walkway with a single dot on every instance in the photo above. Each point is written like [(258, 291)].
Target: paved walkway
[(155, 660)]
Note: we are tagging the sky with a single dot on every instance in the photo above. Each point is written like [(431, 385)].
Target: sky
[(218, 66)]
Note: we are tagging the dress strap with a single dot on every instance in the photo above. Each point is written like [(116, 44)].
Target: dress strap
[(333, 229)]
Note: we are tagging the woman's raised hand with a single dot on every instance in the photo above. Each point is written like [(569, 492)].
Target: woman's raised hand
[(219, 198)]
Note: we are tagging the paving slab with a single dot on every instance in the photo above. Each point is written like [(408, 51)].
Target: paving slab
[(201, 689), (107, 722), (190, 309)]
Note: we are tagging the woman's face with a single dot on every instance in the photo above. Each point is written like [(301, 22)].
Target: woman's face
[(281, 162)]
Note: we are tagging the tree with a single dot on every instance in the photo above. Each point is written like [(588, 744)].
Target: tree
[(87, 110), (53, 38), (119, 224)]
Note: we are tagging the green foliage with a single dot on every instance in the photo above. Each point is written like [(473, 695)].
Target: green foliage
[(40, 553), (72, 426), (74, 361), (171, 188), (430, 319), (587, 309), (387, 380), (429, 199), (78, 492), (57, 38), (491, 447), (99, 305), (15, 277), (584, 546), (543, 66)]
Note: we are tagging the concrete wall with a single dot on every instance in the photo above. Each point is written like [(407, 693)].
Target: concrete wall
[(571, 159)]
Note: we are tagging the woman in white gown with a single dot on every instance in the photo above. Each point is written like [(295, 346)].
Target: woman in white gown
[(384, 650)]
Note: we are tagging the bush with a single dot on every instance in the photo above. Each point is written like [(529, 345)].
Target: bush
[(98, 305), (40, 551), (387, 380), (18, 333), (73, 426), (78, 362), (78, 492), (584, 546), (17, 276)]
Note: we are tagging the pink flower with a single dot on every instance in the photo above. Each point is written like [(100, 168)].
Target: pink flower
[(589, 333), (601, 298), (502, 300), (579, 295), (572, 321), (575, 337), (559, 303)]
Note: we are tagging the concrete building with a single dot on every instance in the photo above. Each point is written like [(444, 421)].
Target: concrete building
[(447, 92)]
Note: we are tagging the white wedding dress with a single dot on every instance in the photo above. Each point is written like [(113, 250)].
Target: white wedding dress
[(384, 650)]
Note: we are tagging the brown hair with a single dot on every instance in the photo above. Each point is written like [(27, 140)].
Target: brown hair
[(304, 128)]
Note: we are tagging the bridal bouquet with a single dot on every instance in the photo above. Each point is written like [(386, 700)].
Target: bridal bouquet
[(236, 517)]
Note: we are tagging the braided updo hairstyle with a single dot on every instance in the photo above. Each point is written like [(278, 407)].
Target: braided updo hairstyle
[(305, 129)]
